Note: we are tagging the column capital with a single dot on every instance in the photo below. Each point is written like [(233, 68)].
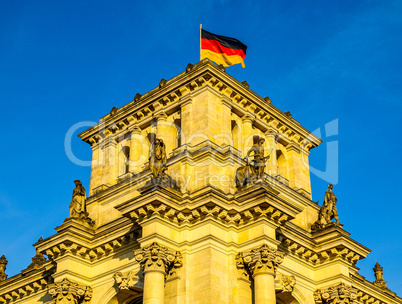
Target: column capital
[(67, 291), (135, 129), (271, 132), (261, 260), (158, 258), (248, 118), (161, 116), (338, 294)]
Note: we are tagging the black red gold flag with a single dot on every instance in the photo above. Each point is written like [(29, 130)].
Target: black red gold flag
[(223, 50)]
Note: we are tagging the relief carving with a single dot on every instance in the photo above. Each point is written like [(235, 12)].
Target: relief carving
[(339, 294), (124, 281), (68, 292), (284, 283)]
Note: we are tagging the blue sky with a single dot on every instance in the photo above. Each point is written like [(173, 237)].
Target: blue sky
[(63, 62)]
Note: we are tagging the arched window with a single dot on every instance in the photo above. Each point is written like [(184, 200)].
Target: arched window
[(136, 301)]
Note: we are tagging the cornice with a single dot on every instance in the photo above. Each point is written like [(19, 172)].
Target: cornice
[(25, 286), (205, 73)]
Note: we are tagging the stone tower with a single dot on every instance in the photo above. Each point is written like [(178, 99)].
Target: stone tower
[(166, 222)]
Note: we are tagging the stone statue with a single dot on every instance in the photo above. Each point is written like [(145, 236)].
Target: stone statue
[(379, 280), (78, 208), (78, 203), (157, 158), (252, 172), (328, 211), (3, 264)]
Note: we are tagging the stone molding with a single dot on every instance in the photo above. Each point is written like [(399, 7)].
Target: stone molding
[(24, 291), (158, 258), (243, 99), (68, 292), (339, 294), (264, 259), (227, 216), (90, 253), (319, 257)]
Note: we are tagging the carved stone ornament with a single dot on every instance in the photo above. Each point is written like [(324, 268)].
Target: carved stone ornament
[(162, 83), (189, 67), (260, 260), (339, 294), (68, 292), (3, 264), (284, 283), (137, 97), (124, 281), (158, 258), (379, 281), (38, 260)]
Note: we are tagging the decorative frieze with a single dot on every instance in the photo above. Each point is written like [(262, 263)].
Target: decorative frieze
[(26, 290), (68, 292), (158, 258), (318, 257), (226, 216), (263, 259), (90, 253), (339, 294)]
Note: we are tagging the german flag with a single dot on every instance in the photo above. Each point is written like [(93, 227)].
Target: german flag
[(223, 50)]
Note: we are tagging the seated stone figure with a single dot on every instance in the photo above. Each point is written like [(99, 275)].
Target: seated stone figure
[(250, 173)]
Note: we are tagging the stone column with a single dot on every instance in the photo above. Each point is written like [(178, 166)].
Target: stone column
[(137, 150), (225, 136), (261, 263), (270, 143), (156, 262), (166, 131), (109, 172), (247, 133)]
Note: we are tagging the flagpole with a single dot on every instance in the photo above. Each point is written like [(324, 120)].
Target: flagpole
[(200, 39)]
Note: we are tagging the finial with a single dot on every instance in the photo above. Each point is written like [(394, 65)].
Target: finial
[(3, 264), (379, 281)]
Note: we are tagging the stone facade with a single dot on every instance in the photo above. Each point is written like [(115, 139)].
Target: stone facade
[(189, 234)]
